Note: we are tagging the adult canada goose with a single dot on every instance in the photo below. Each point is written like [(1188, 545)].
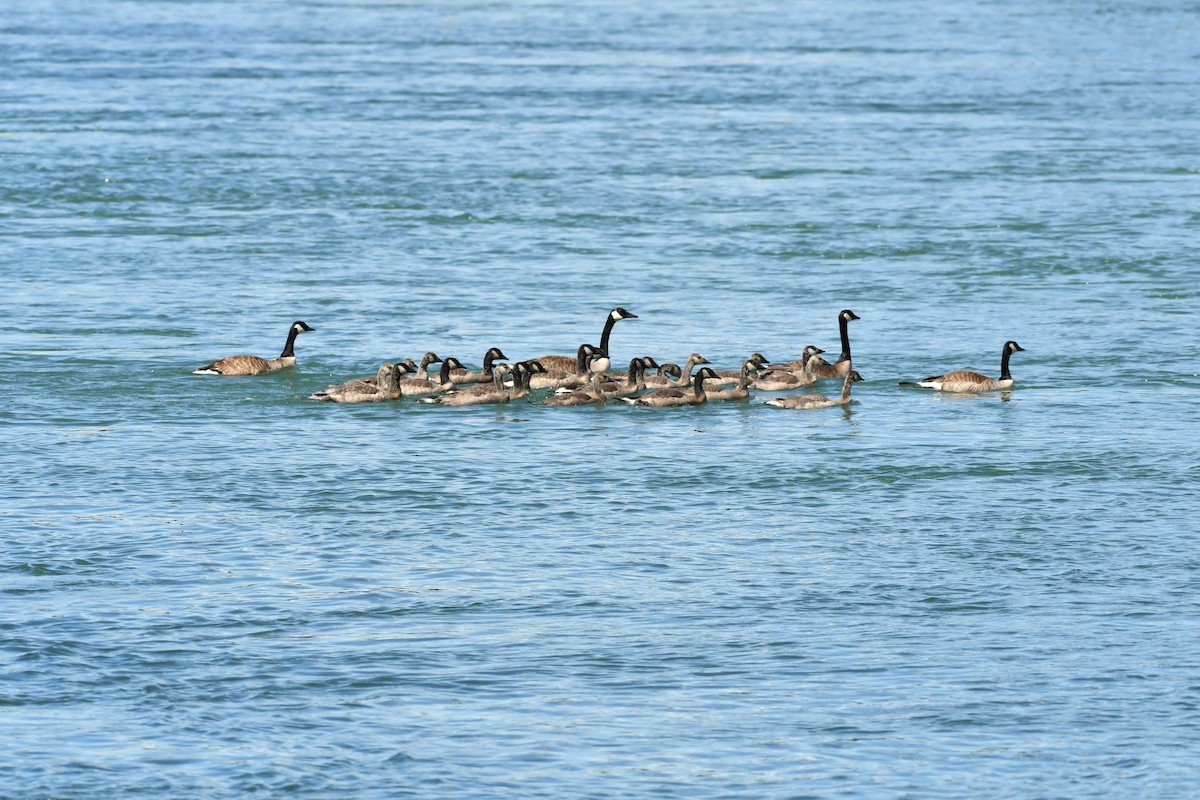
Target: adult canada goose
[(742, 390), (685, 374), (818, 400), (780, 379), (841, 367), (566, 363), (385, 387), (732, 376), (416, 386), (253, 365), (577, 375), (964, 380), (669, 398), (477, 394), (490, 357)]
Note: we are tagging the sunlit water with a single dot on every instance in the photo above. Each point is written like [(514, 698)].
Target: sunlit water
[(217, 587)]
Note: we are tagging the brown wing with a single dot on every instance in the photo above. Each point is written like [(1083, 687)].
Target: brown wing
[(238, 365)]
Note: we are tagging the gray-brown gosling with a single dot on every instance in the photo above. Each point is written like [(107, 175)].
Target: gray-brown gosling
[(685, 375), (493, 355), (253, 365), (579, 397), (577, 375), (669, 398), (965, 380), (818, 400), (475, 394), (779, 379), (739, 392), (385, 387), (416, 386), (732, 376)]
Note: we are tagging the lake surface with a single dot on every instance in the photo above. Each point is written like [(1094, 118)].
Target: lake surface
[(215, 587)]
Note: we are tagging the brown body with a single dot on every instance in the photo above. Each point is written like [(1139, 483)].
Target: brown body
[(254, 365)]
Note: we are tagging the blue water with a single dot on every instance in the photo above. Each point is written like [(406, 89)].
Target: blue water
[(215, 587)]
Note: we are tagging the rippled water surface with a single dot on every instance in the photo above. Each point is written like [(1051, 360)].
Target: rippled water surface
[(215, 587)]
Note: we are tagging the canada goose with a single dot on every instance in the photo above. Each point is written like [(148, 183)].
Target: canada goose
[(670, 370), (491, 356), (407, 366), (963, 380), (416, 386), (685, 374), (423, 370), (385, 387), (803, 366), (577, 375), (477, 394), (732, 376), (742, 390), (579, 397), (668, 398), (780, 379), (818, 400), (633, 382), (841, 367), (253, 365), (566, 363)]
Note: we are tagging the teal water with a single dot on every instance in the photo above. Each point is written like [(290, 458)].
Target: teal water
[(217, 588)]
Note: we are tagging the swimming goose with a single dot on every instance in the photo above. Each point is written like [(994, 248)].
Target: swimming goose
[(491, 356), (669, 398), (782, 378), (566, 363), (727, 377), (476, 394), (385, 387), (416, 386), (577, 375), (633, 382), (742, 390), (253, 365), (407, 366), (963, 380), (579, 397), (841, 367), (685, 374), (818, 400)]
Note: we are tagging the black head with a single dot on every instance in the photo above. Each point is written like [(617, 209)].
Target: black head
[(300, 326), (1012, 347), (495, 354), (620, 313), (848, 315), (706, 373), (453, 362), (648, 362), (532, 367)]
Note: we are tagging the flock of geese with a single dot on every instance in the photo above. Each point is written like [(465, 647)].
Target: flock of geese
[(587, 377)]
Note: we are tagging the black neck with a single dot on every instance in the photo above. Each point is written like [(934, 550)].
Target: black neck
[(488, 358), (288, 352), (698, 384), (581, 359), (1005, 375), (844, 326), (608, 326), (444, 373)]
